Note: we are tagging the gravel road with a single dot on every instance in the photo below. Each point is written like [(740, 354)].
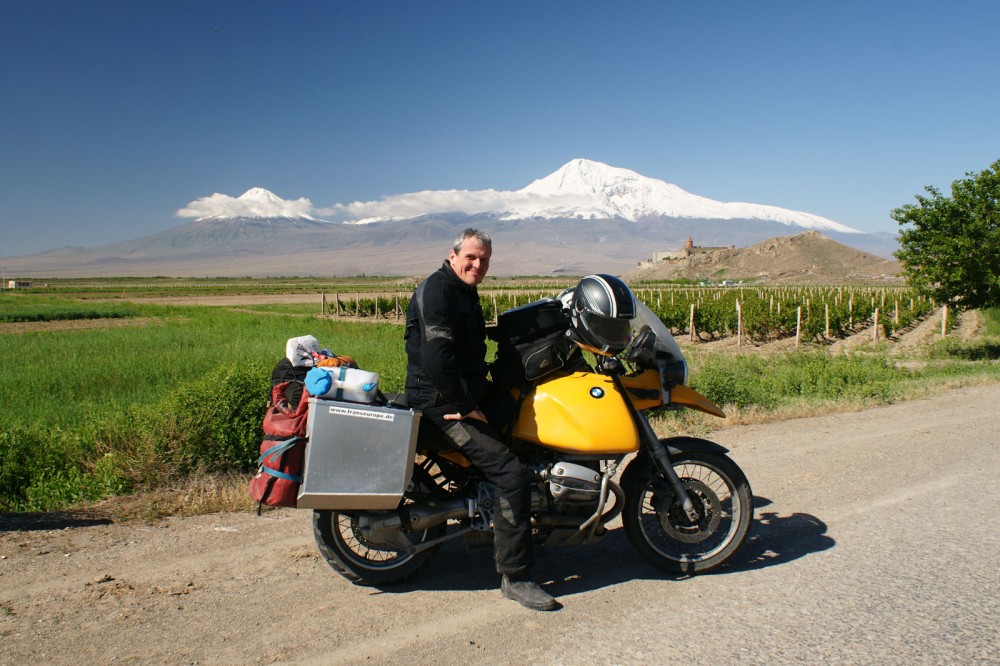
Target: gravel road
[(876, 541)]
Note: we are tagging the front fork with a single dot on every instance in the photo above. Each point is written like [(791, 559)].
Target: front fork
[(657, 452)]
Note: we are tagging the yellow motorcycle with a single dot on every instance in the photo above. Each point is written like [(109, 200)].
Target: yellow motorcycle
[(386, 496)]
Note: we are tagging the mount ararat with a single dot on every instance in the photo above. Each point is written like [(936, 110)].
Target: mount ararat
[(584, 217)]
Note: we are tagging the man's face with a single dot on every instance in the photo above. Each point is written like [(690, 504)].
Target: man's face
[(471, 262)]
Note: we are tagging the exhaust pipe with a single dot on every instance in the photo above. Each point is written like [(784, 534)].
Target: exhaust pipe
[(416, 516)]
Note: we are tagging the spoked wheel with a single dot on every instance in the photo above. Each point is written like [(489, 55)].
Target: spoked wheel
[(362, 560), (661, 531)]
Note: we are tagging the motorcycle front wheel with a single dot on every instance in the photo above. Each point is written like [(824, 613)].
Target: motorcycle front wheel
[(659, 529), (345, 548)]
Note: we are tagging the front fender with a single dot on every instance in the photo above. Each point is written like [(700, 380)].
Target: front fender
[(642, 467), (677, 445)]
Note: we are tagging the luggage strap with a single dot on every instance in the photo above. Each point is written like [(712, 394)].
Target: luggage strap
[(273, 453)]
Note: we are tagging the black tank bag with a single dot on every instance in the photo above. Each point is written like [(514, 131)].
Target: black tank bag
[(532, 343)]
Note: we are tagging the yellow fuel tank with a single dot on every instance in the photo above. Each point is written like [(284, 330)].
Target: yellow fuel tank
[(579, 413)]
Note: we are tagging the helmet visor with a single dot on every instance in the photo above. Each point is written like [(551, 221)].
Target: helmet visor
[(613, 334)]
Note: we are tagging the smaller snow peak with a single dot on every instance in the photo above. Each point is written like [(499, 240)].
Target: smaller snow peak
[(256, 202)]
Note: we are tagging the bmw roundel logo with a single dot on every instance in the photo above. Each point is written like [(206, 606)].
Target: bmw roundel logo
[(597, 392)]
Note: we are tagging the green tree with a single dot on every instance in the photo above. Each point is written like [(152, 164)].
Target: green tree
[(950, 246)]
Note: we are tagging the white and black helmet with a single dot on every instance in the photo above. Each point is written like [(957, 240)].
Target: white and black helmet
[(601, 311)]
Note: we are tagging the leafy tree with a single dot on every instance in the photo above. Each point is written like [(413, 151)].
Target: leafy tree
[(950, 246)]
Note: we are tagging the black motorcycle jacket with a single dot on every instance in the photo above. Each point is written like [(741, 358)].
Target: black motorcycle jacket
[(445, 344)]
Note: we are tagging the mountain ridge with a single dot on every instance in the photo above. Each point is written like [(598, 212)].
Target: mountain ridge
[(588, 217)]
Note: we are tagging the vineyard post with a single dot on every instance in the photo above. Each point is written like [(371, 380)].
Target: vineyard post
[(875, 328), (376, 307), (496, 313), (357, 304), (826, 314), (850, 311), (798, 326), (739, 324), (397, 307), (691, 325), (944, 320), (337, 296), (895, 316), (322, 303)]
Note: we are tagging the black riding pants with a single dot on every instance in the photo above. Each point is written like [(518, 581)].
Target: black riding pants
[(512, 503)]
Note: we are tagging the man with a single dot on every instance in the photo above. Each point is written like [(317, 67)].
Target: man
[(446, 380)]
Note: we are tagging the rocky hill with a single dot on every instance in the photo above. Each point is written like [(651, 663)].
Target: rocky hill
[(806, 258)]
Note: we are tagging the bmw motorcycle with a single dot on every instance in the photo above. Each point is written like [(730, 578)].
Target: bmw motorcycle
[(582, 428)]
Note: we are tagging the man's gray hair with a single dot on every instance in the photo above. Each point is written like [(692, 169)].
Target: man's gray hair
[(478, 234)]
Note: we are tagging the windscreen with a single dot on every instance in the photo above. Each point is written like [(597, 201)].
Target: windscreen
[(665, 342)]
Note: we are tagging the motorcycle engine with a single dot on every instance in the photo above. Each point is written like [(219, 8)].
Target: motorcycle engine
[(574, 484)]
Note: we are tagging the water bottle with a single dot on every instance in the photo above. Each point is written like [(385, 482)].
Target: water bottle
[(343, 383)]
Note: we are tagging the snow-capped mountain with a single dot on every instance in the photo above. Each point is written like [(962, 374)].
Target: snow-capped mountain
[(587, 189), (254, 204), (580, 189)]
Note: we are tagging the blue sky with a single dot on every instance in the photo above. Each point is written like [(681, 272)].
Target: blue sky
[(114, 115)]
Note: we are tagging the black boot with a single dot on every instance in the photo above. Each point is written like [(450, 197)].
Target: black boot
[(522, 589)]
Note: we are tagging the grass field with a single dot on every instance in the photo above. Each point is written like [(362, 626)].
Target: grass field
[(171, 393)]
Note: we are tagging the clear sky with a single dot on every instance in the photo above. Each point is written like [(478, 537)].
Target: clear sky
[(114, 115)]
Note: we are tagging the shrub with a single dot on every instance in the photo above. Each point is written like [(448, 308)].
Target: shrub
[(214, 422), (824, 376), (737, 382), (46, 468)]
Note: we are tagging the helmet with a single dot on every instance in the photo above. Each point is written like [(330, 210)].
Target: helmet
[(601, 311)]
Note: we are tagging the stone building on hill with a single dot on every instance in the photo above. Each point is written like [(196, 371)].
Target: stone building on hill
[(688, 250)]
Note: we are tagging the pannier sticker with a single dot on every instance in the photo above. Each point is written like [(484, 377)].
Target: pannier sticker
[(360, 413)]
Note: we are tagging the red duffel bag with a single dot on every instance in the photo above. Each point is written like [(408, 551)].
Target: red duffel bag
[(282, 453)]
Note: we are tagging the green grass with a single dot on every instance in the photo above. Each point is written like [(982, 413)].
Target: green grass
[(74, 374), (17, 307), (991, 322)]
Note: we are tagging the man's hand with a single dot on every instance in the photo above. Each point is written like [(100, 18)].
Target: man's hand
[(474, 414)]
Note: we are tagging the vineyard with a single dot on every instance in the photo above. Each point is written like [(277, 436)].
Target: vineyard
[(754, 314)]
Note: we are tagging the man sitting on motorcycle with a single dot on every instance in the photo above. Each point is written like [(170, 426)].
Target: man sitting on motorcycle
[(446, 379)]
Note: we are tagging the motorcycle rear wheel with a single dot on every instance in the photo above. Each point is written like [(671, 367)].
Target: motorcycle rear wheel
[(661, 532), (363, 562)]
